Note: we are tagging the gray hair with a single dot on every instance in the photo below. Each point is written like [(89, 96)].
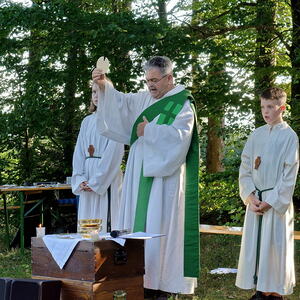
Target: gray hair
[(162, 63)]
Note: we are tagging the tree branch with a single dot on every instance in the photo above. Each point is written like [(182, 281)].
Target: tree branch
[(284, 41), (205, 32), (239, 5)]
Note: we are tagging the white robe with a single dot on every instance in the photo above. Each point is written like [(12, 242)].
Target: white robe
[(99, 173), (162, 150), (279, 151)]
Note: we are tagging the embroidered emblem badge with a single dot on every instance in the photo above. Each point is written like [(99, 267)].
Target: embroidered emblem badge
[(91, 150), (257, 162)]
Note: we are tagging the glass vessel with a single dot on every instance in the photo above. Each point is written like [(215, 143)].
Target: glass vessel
[(119, 295)]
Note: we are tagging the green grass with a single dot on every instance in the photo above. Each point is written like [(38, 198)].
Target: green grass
[(223, 251), (216, 251), (13, 264)]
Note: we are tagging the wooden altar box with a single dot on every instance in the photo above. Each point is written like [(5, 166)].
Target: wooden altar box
[(94, 270)]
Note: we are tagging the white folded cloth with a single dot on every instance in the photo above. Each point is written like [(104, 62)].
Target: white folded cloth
[(223, 271), (61, 246)]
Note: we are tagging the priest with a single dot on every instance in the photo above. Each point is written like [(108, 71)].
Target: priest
[(160, 189)]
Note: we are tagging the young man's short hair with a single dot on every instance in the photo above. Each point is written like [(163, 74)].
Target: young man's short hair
[(274, 93)]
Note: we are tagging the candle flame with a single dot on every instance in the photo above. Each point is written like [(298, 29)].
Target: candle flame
[(40, 226)]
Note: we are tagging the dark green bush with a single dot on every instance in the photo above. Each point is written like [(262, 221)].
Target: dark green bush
[(219, 199)]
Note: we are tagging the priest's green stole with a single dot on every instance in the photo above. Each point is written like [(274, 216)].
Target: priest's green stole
[(167, 109)]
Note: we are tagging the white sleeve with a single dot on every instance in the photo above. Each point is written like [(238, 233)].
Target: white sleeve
[(116, 114), (246, 184), (166, 146), (281, 196), (78, 175), (108, 169)]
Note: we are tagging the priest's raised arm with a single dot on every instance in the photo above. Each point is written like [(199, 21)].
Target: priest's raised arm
[(117, 113)]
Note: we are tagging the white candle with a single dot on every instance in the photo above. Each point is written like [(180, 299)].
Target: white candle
[(40, 231)]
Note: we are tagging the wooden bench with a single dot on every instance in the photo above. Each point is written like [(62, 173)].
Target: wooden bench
[(204, 228)]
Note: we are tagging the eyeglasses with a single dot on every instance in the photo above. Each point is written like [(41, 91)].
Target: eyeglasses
[(154, 80)]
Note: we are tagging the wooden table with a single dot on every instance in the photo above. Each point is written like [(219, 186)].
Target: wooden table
[(22, 191)]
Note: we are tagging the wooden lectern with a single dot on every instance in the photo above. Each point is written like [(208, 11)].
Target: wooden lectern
[(94, 270)]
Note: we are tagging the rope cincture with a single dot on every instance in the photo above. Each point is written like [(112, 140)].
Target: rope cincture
[(259, 193)]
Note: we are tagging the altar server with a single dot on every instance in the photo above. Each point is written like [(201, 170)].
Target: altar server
[(97, 177), (268, 172)]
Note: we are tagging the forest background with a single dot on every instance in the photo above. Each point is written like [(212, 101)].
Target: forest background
[(225, 51)]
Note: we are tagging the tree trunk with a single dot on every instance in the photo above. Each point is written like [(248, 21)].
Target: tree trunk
[(218, 85), (295, 61), (218, 88), (215, 145), (28, 108), (68, 128), (265, 54), (162, 11), (215, 89)]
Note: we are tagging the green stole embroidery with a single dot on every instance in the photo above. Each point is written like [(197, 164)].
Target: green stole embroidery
[(167, 109)]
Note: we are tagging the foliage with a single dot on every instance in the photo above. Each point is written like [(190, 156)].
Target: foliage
[(219, 192), (219, 200), (13, 217), (297, 196)]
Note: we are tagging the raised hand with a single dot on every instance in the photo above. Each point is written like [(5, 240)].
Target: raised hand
[(99, 78), (141, 127)]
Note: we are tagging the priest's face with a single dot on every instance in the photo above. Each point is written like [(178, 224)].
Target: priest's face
[(158, 83), (271, 111), (95, 91)]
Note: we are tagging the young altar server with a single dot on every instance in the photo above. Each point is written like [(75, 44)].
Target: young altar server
[(97, 177), (160, 190), (268, 171)]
